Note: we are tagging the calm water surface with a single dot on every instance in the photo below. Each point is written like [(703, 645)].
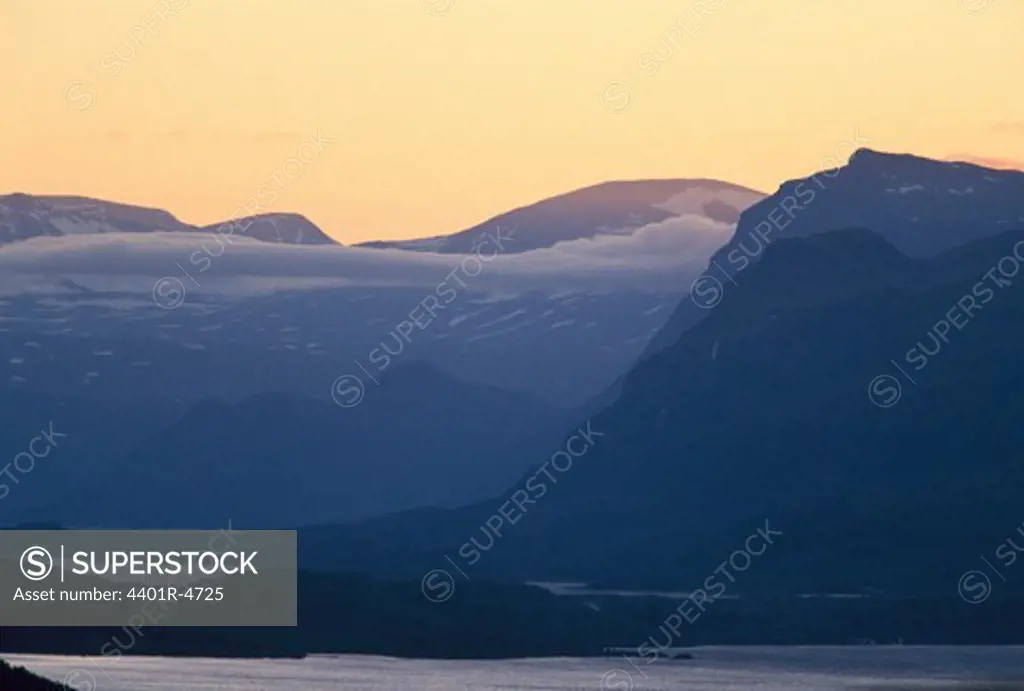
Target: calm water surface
[(714, 669)]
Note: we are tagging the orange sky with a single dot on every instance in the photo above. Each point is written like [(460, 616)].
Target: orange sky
[(441, 113)]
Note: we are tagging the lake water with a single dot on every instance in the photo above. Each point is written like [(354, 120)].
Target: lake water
[(714, 669)]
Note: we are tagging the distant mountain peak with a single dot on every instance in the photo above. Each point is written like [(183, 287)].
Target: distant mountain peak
[(24, 216), (867, 154), (875, 161), (881, 162), (920, 206), (281, 227), (608, 208)]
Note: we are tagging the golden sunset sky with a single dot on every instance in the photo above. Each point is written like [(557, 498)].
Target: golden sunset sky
[(445, 112)]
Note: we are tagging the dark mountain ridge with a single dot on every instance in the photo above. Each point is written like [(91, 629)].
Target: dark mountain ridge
[(760, 413), (275, 460), (921, 206)]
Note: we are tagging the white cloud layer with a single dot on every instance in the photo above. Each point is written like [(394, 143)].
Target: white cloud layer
[(659, 256)]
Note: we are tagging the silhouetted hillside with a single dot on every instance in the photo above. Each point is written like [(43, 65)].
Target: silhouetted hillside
[(920, 206), (20, 679)]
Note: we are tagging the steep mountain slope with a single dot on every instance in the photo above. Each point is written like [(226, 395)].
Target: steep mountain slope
[(921, 206), (611, 208), (761, 413)]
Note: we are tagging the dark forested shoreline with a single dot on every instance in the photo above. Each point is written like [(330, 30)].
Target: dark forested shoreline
[(20, 679)]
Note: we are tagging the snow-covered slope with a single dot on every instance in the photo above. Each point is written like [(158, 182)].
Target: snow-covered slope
[(23, 217), (176, 312), (284, 229)]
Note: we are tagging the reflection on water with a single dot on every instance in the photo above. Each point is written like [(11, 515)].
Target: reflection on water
[(713, 669)]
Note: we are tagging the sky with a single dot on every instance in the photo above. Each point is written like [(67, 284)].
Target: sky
[(386, 119)]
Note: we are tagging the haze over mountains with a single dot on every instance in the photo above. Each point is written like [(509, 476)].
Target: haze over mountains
[(239, 316), (765, 401), (222, 349), (276, 459), (761, 411)]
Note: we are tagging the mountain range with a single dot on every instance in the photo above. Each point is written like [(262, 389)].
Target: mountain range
[(277, 459), (844, 375), (23, 217), (161, 369), (611, 208), (95, 310), (767, 409), (919, 205)]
